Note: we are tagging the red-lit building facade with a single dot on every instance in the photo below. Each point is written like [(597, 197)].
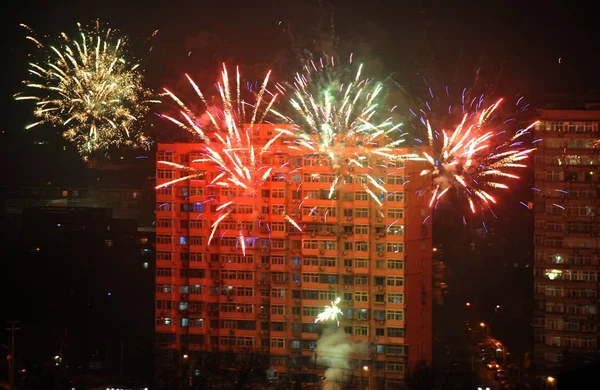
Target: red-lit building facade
[(377, 259), (566, 244)]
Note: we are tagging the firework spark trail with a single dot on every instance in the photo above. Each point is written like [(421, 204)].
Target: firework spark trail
[(470, 159), (331, 313), (342, 117), (229, 145), (88, 87)]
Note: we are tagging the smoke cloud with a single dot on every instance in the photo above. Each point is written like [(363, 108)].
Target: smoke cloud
[(335, 351)]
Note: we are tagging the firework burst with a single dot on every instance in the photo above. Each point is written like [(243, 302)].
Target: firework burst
[(474, 158), (331, 313), (341, 117), (89, 88), (229, 144)]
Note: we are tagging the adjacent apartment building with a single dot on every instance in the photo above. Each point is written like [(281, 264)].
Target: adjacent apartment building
[(377, 259), (567, 231)]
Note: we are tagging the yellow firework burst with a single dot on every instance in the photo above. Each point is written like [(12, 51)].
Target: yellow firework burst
[(90, 89)]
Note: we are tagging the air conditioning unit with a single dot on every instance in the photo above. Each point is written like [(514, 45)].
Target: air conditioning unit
[(260, 216), (380, 288), (379, 219), (267, 266), (296, 301), (380, 254), (349, 219), (321, 268), (348, 269), (258, 265), (294, 250), (377, 237), (296, 318), (321, 251), (344, 253), (313, 234)]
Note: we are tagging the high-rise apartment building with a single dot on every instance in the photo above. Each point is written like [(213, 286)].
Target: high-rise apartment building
[(377, 259), (566, 238)]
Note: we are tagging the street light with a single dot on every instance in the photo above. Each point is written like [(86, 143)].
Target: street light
[(366, 371), (551, 379), (468, 304)]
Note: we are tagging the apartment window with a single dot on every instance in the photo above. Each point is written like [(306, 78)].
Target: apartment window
[(277, 226), (395, 179), (361, 229), (164, 272), (278, 260), (164, 174), (361, 280), (164, 223), (164, 206), (361, 330), (361, 195), (379, 298), (394, 315), (277, 342), (362, 314), (361, 296), (164, 255), (396, 230), (361, 263), (395, 298), (164, 288), (397, 196), (395, 247), (361, 212), (361, 246), (278, 309), (395, 264), (394, 281), (163, 321), (395, 332), (278, 193), (395, 213)]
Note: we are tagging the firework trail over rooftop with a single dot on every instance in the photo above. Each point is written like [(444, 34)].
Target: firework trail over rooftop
[(229, 144), (477, 157), (88, 87), (342, 117)]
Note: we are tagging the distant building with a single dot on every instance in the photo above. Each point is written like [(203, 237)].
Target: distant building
[(377, 259), (81, 282), (567, 230)]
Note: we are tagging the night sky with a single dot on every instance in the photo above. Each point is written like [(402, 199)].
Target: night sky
[(512, 48)]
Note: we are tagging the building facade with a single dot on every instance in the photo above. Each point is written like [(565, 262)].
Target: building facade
[(377, 259), (566, 236)]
